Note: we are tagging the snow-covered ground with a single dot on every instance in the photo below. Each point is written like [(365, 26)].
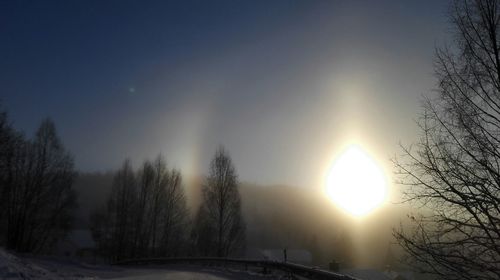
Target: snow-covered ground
[(45, 268), (12, 267)]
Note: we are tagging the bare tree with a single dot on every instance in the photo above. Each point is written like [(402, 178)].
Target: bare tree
[(163, 204), (220, 212), (160, 181), (453, 172), (174, 218), (37, 190), (120, 212), (10, 142), (146, 177), (146, 213)]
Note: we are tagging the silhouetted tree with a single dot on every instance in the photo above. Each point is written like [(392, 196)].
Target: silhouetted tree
[(121, 205), (142, 230), (164, 211), (174, 217), (453, 172), (158, 193), (220, 213), (37, 196), (10, 144), (146, 214)]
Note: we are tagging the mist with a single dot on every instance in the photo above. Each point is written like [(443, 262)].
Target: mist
[(279, 216), (258, 139)]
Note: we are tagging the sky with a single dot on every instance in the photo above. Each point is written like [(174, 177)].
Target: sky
[(283, 85)]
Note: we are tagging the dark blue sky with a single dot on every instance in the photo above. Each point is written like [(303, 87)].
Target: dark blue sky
[(282, 84)]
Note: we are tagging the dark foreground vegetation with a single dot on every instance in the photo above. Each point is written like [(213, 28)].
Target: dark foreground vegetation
[(37, 201), (453, 172), (145, 214)]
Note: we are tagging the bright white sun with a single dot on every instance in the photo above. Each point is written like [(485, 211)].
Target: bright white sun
[(356, 183)]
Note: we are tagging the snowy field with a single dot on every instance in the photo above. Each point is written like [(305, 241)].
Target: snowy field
[(45, 268)]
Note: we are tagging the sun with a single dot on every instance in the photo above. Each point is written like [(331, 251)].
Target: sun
[(356, 183)]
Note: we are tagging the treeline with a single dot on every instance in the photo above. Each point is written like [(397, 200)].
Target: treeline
[(37, 202), (145, 214)]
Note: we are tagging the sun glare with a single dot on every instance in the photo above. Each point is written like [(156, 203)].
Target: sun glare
[(356, 183)]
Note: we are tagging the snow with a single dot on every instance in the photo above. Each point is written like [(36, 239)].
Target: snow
[(54, 268), (366, 274), (372, 274), (185, 275), (12, 267)]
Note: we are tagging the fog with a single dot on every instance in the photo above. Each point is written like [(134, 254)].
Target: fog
[(279, 216), (195, 130)]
